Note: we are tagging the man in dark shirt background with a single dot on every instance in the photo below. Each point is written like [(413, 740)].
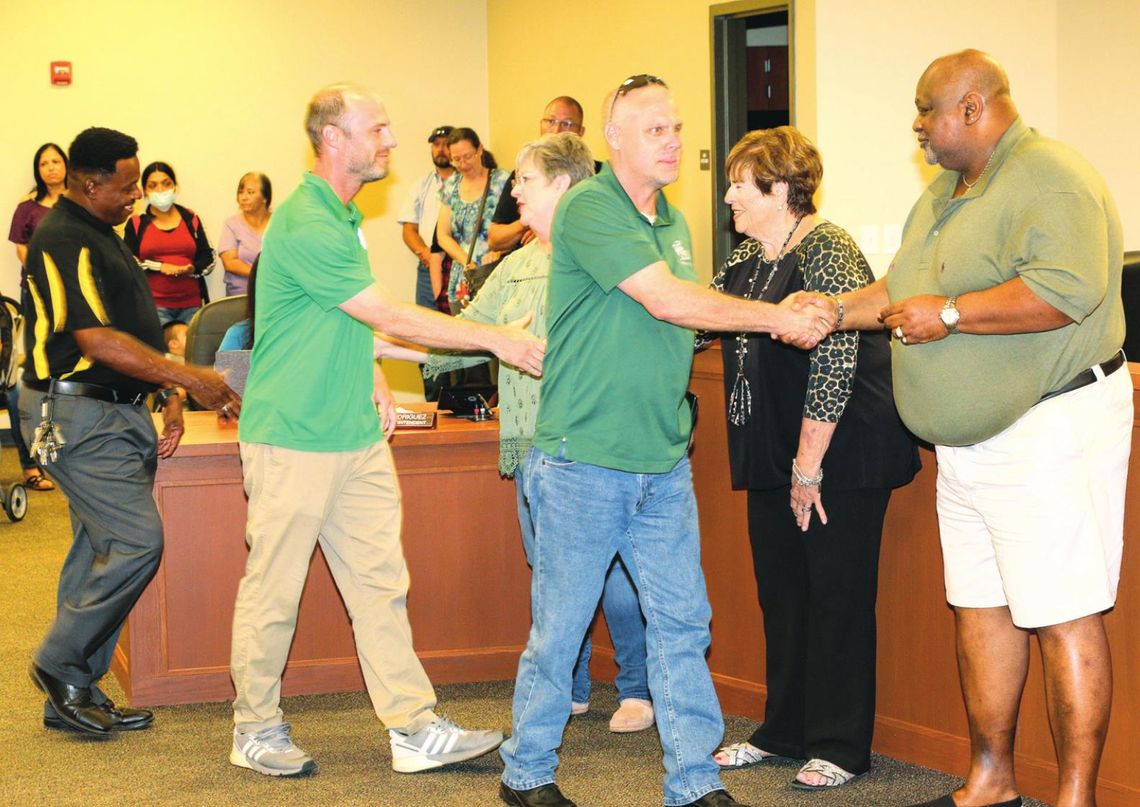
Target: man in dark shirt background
[(94, 354)]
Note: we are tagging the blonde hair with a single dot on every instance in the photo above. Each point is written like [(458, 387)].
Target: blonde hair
[(557, 154)]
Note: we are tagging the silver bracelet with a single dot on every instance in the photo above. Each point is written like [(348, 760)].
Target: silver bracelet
[(839, 311), (803, 480)]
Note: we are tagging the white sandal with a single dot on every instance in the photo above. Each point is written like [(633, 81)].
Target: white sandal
[(740, 755), (833, 775)]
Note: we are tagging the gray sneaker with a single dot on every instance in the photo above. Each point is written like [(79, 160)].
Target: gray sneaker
[(438, 744), (271, 751)]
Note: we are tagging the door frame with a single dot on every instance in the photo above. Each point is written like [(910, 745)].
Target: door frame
[(727, 33)]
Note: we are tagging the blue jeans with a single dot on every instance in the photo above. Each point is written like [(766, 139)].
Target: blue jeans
[(583, 516), (169, 315), (424, 296), (623, 617), (26, 461)]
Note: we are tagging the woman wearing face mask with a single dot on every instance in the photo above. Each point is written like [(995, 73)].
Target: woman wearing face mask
[(240, 243), (171, 245)]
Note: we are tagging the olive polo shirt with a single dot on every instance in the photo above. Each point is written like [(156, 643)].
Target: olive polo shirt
[(614, 377), (310, 378), (1043, 214)]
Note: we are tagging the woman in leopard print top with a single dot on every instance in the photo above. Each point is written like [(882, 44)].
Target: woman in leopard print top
[(794, 417)]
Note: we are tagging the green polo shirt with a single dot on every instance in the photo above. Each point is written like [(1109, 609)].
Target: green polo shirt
[(614, 378), (1041, 213), (310, 376)]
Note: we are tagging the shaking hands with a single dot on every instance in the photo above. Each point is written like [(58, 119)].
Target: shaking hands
[(807, 318)]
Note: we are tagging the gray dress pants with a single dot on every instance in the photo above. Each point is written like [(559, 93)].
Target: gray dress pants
[(106, 470)]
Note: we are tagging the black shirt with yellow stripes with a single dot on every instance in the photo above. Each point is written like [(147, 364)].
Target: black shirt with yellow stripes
[(81, 275)]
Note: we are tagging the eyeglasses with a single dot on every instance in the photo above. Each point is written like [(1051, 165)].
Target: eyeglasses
[(562, 125), (521, 180), (635, 83)]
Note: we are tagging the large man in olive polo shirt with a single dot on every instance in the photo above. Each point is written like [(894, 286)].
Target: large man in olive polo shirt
[(1004, 299), (314, 457), (609, 473)]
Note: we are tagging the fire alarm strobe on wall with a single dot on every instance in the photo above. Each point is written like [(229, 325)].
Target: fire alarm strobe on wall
[(61, 73)]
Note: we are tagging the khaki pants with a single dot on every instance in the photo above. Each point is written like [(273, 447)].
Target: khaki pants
[(350, 502)]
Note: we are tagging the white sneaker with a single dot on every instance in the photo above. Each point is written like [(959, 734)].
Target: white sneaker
[(579, 708), (270, 751), (438, 744)]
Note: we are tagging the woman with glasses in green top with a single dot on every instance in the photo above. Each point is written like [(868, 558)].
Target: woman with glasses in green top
[(545, 169)]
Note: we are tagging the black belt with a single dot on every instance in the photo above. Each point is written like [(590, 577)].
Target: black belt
[(83, 390), (1086, 377)]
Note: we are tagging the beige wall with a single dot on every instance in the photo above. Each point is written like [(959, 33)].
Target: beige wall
[(864, 60), (217, 88), (673, 42), (1099, 106)]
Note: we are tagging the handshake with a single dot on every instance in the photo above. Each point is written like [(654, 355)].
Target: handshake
[(805, 318)]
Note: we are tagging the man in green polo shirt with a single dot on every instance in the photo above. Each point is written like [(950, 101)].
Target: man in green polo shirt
[(1004, 299), (609, 472), (315, 459)]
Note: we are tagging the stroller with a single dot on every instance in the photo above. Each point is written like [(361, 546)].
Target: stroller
[(15, 499)]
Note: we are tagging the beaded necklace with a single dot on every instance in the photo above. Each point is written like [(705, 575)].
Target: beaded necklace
[(740, 401)]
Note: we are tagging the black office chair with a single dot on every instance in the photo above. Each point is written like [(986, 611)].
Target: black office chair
[(1130, 294), (208, 327)]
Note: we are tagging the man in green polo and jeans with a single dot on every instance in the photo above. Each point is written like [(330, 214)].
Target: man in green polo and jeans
[(609, 473), (316, 463)]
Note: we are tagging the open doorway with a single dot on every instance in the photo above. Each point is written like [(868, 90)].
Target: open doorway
[(752, 89)]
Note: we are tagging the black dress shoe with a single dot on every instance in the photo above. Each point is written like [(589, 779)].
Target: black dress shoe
[(717, 798), (125, 718), (541, 796), (72, 704)]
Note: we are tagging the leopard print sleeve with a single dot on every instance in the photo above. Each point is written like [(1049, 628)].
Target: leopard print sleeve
[(743, 253), (832, 264)]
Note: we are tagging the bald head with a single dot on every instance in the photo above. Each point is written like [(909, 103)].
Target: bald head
[(644, 138), (969, 71), (329, 106), (964, 107)]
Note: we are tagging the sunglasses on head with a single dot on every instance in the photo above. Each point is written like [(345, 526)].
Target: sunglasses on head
[(635, 83)]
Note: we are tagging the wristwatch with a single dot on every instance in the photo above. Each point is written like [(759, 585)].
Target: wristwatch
[(164, 395), (949, 314)]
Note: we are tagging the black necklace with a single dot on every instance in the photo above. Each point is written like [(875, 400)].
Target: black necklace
[(740, 401)]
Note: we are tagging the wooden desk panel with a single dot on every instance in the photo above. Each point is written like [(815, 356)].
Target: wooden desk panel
[(469, 623)]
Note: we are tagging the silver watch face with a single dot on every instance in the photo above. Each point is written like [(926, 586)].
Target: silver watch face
[(950, 317)]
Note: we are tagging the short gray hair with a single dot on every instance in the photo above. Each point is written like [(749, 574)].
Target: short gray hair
[(328, 107), (557, 154)]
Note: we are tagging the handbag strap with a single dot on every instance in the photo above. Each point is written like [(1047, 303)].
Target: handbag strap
[(479, 217)]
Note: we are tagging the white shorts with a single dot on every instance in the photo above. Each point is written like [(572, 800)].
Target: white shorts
[(1033, 518)]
